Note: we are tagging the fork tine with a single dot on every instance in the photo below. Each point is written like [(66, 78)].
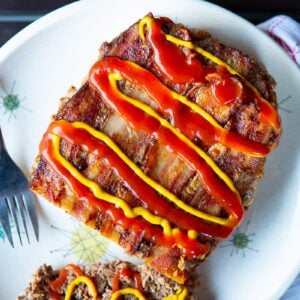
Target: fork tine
[(4, 220), (21, 209), (29, 203), (13, 207)]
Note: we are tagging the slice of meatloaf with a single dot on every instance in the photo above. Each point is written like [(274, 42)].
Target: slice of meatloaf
[(139, 211), (153, 284)]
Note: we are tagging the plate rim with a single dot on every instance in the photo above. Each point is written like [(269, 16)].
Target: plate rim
[(62, 12), (65, 11)]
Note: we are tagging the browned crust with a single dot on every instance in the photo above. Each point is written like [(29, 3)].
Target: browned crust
[(153, 157)]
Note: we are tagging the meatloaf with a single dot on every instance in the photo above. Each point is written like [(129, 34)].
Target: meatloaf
[(161, 149), (153, 285)]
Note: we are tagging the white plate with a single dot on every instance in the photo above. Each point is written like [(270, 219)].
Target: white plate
[(41, 62)]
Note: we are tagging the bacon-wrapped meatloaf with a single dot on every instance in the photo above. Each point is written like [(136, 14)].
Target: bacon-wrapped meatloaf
[(162, 147)]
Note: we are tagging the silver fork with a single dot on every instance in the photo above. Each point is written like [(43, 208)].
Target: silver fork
[(16, 200)]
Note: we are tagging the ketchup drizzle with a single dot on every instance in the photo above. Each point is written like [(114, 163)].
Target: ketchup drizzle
[(191, 124)]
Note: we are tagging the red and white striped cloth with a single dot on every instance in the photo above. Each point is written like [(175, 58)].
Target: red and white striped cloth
[(286, 32)]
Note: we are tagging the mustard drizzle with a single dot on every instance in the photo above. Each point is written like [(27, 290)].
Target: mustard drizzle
[(214, 59), (113, 78), (127, 291), (100, 194), (128, 211), (181, 294), (137, 211), (146, 21), (78, 280), (140, 211)]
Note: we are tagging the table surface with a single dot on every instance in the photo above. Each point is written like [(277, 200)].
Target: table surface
[(17, 14)]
